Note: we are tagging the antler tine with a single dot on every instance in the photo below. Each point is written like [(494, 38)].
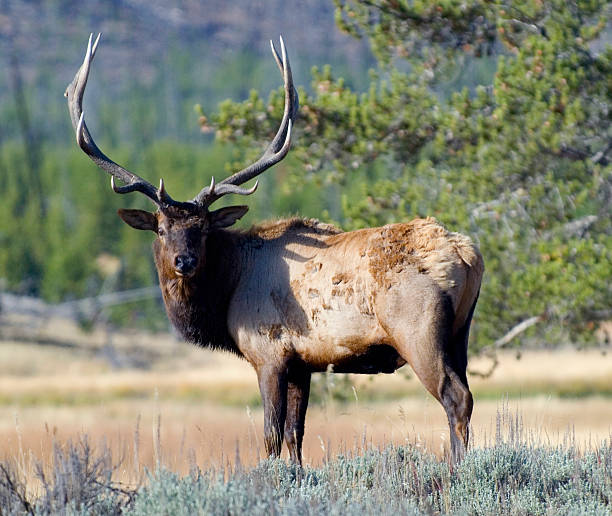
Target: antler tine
[(133, 183), (276, 150), (279, 147), (291, 97), (74, 91), (211, 193)]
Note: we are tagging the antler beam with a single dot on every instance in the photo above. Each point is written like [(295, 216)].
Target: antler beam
[(132, 182), (275, 152)]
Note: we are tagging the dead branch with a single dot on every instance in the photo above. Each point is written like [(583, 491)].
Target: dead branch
[(76, 310), (517, 330)]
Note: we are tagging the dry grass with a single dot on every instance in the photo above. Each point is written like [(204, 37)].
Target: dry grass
[(179, 435), (191, 405)]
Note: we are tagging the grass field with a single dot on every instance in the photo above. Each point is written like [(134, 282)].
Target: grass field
[(155, 401)]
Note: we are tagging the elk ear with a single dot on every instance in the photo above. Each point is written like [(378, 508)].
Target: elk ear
[(139, 219), (226, 216)]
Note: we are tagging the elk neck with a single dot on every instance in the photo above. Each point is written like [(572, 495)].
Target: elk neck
[(197, 306)]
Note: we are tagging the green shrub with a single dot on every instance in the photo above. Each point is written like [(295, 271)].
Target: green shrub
[(507, 478), (504, 479)]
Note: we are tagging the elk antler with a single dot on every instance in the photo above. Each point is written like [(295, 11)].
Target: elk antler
[(274, 153), (133, 183)]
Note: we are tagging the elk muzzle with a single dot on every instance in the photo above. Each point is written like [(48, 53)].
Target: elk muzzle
[(185, 265)]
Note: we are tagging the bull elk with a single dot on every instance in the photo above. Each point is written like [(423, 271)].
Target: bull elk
[(298, 296)]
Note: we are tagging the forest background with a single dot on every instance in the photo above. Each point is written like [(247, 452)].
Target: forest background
[(494, 117)]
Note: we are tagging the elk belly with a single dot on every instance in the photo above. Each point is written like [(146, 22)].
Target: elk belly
[(346, 339)]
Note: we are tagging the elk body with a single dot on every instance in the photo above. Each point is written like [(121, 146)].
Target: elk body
[(297, 296)]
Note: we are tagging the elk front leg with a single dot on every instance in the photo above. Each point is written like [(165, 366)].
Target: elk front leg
[(298, 390), (273, 388)]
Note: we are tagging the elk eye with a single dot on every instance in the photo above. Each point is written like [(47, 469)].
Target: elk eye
[(161, 232)]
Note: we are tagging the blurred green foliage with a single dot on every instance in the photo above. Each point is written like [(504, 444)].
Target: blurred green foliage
[(493, 117), (79, 247), (516, 155)]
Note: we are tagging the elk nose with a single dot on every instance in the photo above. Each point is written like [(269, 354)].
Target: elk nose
[(184, 264)]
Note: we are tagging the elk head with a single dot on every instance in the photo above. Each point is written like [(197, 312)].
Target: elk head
[(181, 227)]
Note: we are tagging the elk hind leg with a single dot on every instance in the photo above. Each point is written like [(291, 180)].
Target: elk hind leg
[(457, 401), (456, 394), (421, 330), (435, 370)]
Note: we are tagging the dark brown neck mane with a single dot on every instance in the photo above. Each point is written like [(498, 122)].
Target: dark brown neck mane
[(197, 307)]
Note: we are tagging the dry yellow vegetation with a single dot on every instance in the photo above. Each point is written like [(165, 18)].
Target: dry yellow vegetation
[(152, 399)]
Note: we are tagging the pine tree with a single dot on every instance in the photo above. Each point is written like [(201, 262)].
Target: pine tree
[(493, 117)]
